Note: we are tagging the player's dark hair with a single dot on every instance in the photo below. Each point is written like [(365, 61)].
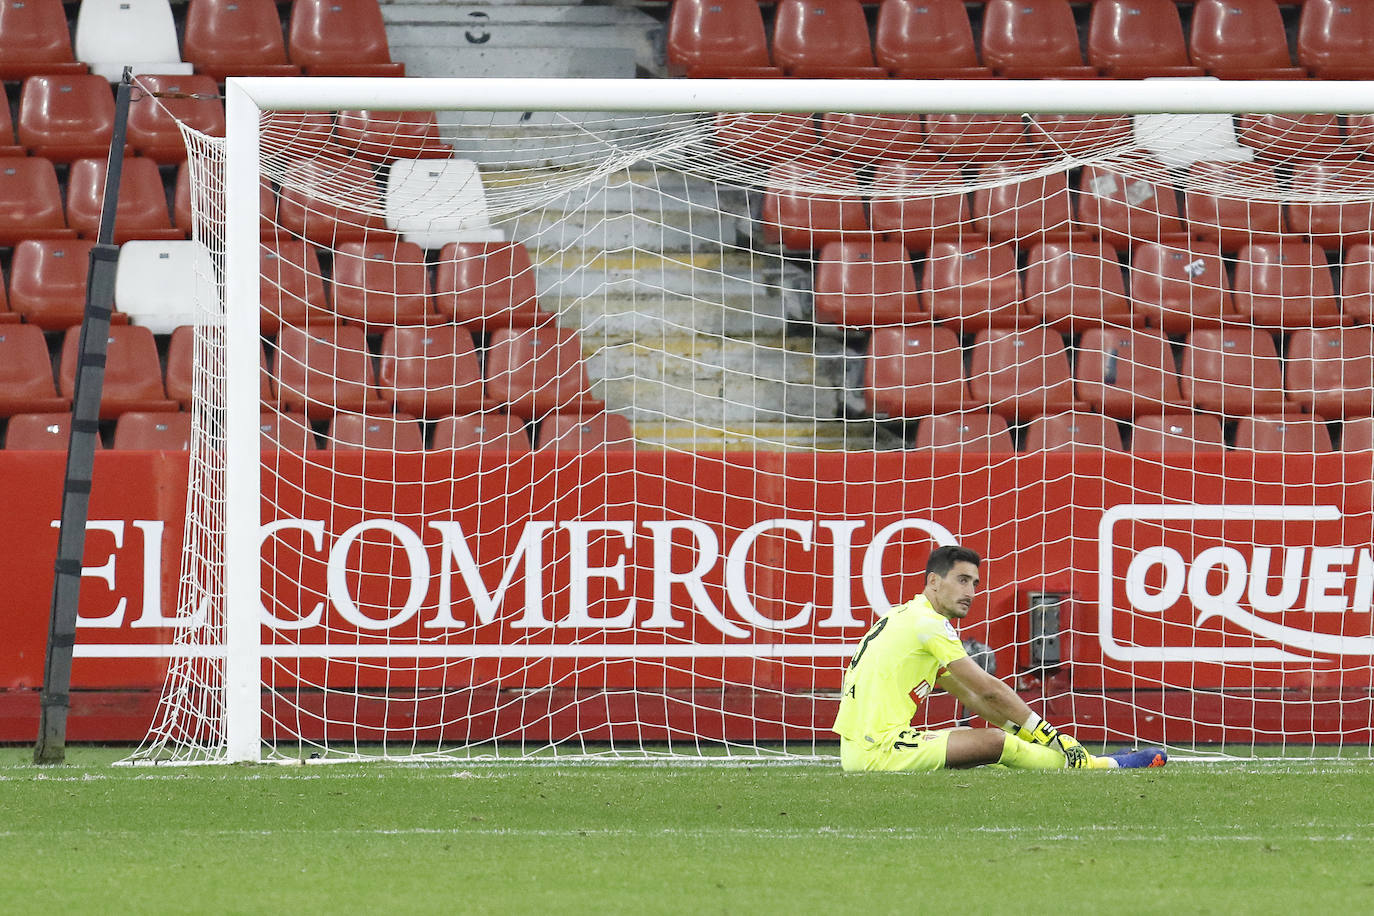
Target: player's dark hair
[(942, 559)]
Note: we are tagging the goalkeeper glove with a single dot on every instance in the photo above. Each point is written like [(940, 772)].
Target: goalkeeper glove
[(1038, 731)]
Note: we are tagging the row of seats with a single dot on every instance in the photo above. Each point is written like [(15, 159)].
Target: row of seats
[(915, 372), (221, 38), (1022, 39)]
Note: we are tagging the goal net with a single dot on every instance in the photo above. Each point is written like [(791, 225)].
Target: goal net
[(582, 417)]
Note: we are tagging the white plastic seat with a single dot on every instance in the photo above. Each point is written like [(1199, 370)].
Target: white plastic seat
[(112, 34), (156, 283), (432, 202)]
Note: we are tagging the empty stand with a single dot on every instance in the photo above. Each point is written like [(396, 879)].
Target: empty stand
[(1022, 211), (340, 38), (324, 368), (1357, 283), (1330, 371), (868, 138), (486, 284), (30, 201), (1022, 373), (914, 371), (912, 218), (34, 38), (926, 39), (766, 138), (1241, 39), (399, 432), (1285, 284), (287, 431), (1285, 138), (823, 39), (801, 219), (865, 283), (306, 215), (141, 212), (161, 101), (1177, 432), (432, 202), (133, 373), (157, 284), (1126, 208), (600, 432), (1231, 222), (26, 379), (1357, 435), (1135, 39), (1232, 371), (1032, 39), (236, 38), (966, 431), (291, 287), (381, 282), (1123, 372), (48, 281), (1073, 430), (976, 138), (1072, 284), (1332, 223), (66, 117), (1336, 39), (1180, 287), (40, 432), (113, 34), (382, 136), (972, 283), (431, 371), (718, 38), (496, 431), (162, 431), (1283, 433), (538, 371)]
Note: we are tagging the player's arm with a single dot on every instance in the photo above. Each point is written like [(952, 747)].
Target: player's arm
[(996, 702)]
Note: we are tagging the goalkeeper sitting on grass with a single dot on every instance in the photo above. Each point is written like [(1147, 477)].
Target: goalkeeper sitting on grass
[(915, 649)]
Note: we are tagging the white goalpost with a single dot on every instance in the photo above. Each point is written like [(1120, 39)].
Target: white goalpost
[(602, 417)]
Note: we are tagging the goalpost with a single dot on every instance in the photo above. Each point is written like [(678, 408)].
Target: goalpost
[(824, 326)]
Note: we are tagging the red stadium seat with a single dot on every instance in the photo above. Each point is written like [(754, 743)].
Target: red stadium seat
[(766, 138), (286, 431), (967, 431), (48, 281), (236, 38), (913, 217), (916, 371), (1180, 287), (1134, 39), (382, 282), (1286, 138), (496, 431), (35, 38), (1123, 372), (181, 368), (718, 38), (386, 432), (1030, 210), (597, 433), (926, 39), (868, 138), (381, 136), (299, 134), (307, 215), (26, 379), (1357, 435), (340, 38), (133, 373), (1232, 371), (1177, 432), (862, 284), (487, 284), (431, 372), (801, 219), (1070, 285), (1078, 134), (66, 117), (143, 431), (1336, 39), (1330, 371), (972, 283), (1357, 284), (291, 286), (324, 368), (182, 216), (823, 39), (1232, 221), (537, 371), (1332, 223), (190, 99), (1125, 209), (976, 138), (1073, 430), (30, 201), (40, 432), (1021, 374), (1283, 433), (1241, 39), (142, 209), (1285, 284), (1031, 39)]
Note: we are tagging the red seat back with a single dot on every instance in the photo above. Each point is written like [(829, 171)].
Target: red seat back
[(48, 281), (431, 371), (822, 38), (324, 368), (494, 431), (193, 100), (1072, 284), (486, 284), (66, 117), (973, 284), (1028, 39), (1283, 433), (1133, 39), (966, 431), (1330, 371), (133, 372), (599, 432), (340, 38), (1177, 432), (926, 39), (1222, 213), (1285, 284), (26, 378), (142, 209), (235, 38), (914, 371), (1178, 288), (385, 432), (862, 284), (1241, 39), (1072, 430), (1232, 371), (1021, 373), (717, 38), (381, 282), (1122, 372), (537, 371), (165, 432)]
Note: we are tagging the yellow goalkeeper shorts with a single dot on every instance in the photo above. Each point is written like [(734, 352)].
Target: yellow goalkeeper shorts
[(909, 751)]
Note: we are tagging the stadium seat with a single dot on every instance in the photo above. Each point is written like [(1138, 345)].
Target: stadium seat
[(327, 223), (538, 371), (431, 372), (1357, 434), (382, 282), (292, 289), (1026, 211), (1216, 217), (340, 38), (972, 283), (432, 202), (383, 136), (114, 34), (182, 216), (976, 138), (965, 431), (193, 100), (139, 430), (181, 369), (1177, 432), (142, 209), (1072, 430), (285, 431), (1072, 284), (26, 379), (1283, 433), (1332, 223), (805, 220), (718, 38), (1077, 134), (1285, 284), (823, 39), (914, 371), (157, 284), (863, 139), (236, 38), (1232, 371), (926, 39), (1241, 39), (34, 39), (1335, 39), (1281, 139), (1122, 372), (1021, 374), (917, 221), (388, 432), (862, 284), (40, 432), (323, 368), (66, 117), (765, 138), (496, 431), (299, 134), (487, 284), (1357, 284), (1125, 209), (1330, 371), (1135, 39), (133, 373), (1032, 39), (48, 281), (600, 432), (1177, 288), (30, 201)]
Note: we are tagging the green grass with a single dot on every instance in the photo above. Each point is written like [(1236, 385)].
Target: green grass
[(636, 838)]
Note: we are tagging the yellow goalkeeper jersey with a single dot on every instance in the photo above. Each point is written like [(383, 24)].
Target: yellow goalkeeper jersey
[(893, 669)]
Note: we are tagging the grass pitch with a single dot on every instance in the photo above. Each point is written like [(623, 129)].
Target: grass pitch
[(526, 837)]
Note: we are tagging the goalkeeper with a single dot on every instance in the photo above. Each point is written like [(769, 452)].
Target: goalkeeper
[(915, 649)]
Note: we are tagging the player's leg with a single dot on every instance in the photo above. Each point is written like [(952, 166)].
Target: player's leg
[(975, 747), (1022, 755)]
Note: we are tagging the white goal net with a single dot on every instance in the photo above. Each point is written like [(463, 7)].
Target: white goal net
[(601, 421)]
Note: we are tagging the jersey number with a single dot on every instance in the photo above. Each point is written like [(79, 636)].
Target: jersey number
[(877, 628)]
